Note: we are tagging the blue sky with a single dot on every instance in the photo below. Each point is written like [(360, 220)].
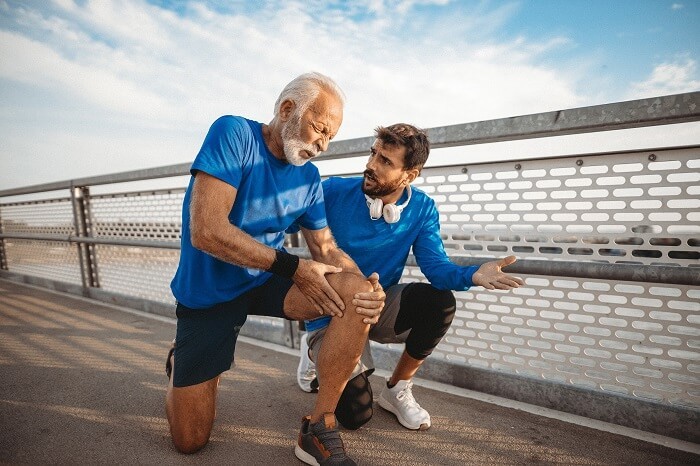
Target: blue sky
[(94, 86)]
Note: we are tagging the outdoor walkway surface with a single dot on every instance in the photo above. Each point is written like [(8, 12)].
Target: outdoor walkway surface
[(83, 383)]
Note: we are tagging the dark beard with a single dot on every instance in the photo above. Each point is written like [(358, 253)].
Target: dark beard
[(380, 189)]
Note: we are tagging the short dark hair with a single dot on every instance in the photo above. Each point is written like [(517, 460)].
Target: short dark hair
[(404, 135)]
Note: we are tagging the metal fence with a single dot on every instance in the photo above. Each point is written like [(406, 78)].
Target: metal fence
[(607, 325)]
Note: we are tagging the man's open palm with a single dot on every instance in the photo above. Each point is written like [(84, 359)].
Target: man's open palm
[(490, 276)]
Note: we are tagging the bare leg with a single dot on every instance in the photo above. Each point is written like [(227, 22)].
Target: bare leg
[(405, 369), (191, 411), (342, 345)]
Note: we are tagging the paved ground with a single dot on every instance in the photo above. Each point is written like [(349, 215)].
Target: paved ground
[(83, 383)]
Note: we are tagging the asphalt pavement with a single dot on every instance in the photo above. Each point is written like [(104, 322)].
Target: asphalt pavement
[(82, 382)]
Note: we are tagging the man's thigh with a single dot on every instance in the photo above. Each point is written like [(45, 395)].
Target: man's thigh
[(191, 411), (383, 330), (205, 341)]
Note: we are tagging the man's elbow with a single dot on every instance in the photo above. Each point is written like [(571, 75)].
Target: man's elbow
[(201, 238)]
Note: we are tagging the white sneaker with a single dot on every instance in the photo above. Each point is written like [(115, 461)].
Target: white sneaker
[(306, 370), (399, 400)]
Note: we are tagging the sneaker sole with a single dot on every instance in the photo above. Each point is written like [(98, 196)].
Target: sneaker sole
[(310, 388), (305, 457), (389, 407)]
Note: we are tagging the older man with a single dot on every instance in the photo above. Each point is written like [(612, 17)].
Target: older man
[(250, 181)]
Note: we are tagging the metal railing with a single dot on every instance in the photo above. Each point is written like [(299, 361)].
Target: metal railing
[(608, 245)]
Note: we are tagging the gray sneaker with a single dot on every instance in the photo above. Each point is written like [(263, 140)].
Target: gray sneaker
[(320, 443)]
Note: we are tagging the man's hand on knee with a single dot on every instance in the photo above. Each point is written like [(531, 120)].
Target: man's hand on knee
[(311, 278), (370, 304)]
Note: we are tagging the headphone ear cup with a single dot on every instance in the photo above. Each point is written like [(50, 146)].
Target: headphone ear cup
[(375, 208), (392, 214)]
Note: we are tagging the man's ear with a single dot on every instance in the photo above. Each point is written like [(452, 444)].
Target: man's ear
[(286, 109), (411, 175)]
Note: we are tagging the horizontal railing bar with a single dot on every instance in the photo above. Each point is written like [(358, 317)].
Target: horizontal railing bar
[(664, 110), (140, 193), (666, 274), (181, 169), (671, 109), (55, 200), (104, 241)]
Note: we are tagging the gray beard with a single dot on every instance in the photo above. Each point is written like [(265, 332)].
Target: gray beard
[(293, 145)]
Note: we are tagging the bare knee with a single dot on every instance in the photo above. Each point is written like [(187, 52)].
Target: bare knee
[(348, 284), (189, 435), (191, 411), (189, 444)]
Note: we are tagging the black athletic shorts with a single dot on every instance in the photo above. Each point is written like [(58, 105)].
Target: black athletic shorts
[(206, 338)]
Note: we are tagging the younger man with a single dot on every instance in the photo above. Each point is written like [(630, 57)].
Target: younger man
[(376, 220)]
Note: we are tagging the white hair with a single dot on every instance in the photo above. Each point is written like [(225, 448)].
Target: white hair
[(304, 89)]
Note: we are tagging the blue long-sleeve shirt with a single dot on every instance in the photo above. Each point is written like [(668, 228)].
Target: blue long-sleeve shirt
[(377, 246)]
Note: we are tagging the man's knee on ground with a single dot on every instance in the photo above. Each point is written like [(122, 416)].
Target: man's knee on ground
[(190, 442), (191, 411)]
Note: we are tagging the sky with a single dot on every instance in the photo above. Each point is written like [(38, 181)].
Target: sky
[(92, 87)]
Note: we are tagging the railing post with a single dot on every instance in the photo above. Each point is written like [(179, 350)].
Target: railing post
[(3, 254), (87, 253)]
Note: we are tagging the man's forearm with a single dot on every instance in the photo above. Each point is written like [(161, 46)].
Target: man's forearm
[(235, 247), (338, 257)]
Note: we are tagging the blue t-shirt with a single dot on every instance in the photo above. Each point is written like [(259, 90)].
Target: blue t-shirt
[(271, 195), (378, 246)]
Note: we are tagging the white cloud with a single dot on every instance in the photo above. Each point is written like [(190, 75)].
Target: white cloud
[(127, 67), (148, 63), (36, 64), (668, 78), (677, 6)]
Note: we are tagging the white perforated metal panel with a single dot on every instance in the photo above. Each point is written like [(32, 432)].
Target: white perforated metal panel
[(639, 208), (152, 215), (53, 260), (45, 217), (140, 272), (636, 339), (631, 338)]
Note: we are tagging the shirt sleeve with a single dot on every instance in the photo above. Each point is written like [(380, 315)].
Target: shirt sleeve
[(223, 151), (433, 261), (314, 217)]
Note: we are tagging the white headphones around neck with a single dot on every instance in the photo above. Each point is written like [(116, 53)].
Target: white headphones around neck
[(391, 212)]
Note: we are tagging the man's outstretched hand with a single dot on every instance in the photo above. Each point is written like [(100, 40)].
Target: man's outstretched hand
[(490, 276)]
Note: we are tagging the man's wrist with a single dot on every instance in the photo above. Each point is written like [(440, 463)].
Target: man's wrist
[(285, 264)]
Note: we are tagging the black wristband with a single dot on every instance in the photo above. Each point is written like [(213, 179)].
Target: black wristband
[(285, 264)]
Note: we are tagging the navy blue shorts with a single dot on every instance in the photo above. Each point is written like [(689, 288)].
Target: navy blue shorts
[(206, 338)]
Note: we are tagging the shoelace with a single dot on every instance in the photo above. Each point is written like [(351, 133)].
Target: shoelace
[(406, 395), (330, 439)]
